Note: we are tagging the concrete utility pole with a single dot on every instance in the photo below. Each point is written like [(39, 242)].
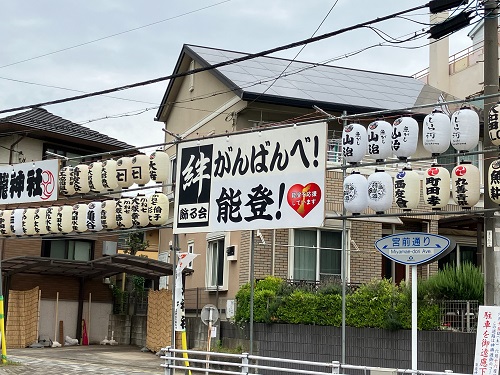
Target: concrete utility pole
[(491, 246)]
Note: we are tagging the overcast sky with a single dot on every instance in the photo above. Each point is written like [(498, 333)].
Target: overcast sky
[(32, 28)]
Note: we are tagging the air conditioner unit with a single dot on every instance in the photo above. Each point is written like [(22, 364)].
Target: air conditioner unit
[(232, 252), (109, 247)]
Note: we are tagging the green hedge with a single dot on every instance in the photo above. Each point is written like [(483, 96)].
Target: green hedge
[(378, 304)]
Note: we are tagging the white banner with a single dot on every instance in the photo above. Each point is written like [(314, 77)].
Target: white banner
[(486, 358), (262, 180), (180, 311), (29, 182)]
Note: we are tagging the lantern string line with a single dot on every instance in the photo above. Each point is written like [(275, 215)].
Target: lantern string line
[(339, 216), (409, 161), (101, 234)]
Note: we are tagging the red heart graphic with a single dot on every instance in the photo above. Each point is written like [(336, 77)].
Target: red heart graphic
[(304, 198)]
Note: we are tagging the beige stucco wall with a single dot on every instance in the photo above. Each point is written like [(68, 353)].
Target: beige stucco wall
[(28, 149), (67, 313)]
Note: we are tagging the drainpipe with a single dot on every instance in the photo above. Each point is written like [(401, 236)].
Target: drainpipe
[(11, 148)]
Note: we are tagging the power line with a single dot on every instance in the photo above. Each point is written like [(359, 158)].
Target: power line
[(113, 35), (218, 65)]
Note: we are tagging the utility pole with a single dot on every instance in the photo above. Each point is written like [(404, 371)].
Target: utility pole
[(491, 246)]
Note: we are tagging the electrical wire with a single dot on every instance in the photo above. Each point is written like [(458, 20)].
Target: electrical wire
[(218, 65), (296, 55), (116, 34)]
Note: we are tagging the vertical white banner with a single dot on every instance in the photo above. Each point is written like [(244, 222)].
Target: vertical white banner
[(486, 358), (180, 311)]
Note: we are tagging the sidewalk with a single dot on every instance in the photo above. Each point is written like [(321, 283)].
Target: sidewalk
[(79, 360)]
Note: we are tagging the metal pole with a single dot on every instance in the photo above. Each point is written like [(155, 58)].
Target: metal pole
[(252, 249), (414, 333), (490, 87), (343, 257), (174, 265)]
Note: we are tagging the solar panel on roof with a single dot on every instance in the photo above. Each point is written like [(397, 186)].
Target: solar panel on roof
[(321, 83)]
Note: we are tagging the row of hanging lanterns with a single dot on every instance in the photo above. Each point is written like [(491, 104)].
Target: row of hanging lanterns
[(109, 175), (381, 140), (111, 214), (379, 191)]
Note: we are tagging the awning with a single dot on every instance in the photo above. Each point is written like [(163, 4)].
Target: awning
[(378, 219), (99, 268)]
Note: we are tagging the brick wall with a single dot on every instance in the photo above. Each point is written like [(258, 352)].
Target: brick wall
[(366, 261)]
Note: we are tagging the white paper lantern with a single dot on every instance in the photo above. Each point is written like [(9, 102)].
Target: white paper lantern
[(17, 221), (355, 193), (64, 222), (436, 134), (108, 174), (29, 222), (140, 217), (67, 181), (380, 191), (5, 228), (94, 216), (494, 181), (95, 177), (108, 214), (81, 179), (354, 143), (124, 172), (465, 182), (140, 169), (40, 221), (407, 189), (124, 213), (464, 129), (436, 187), (404, 137), (159, 166), (379, 140), (493, 128), (51, 219), (158, 209), (79, 217)]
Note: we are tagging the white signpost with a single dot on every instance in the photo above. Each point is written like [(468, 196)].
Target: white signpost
[(413, 248)]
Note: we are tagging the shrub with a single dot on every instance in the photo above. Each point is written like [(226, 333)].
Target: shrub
[(453, 283), (378, 304), (373, 305)]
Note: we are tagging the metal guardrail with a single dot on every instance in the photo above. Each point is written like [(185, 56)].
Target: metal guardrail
[(248, 363)]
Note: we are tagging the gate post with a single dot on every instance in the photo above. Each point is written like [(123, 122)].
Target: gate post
[(335, 367), (244, 363), (168, 362)]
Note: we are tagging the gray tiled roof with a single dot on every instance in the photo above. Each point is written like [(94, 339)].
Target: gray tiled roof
[(44, 121)]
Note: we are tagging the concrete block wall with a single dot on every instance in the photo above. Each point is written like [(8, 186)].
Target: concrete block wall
[(437, 350)]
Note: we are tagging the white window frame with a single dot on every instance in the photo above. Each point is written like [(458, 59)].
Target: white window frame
[(213, 237), (291, 253), (172, 176), (191, 77), (190, 250)]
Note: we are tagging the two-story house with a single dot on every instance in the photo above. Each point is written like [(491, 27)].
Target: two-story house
[(264, 91)]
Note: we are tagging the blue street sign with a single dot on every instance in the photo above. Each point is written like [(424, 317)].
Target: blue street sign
[(413, 248)]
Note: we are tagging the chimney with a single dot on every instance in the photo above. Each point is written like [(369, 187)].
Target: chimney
[(439, 56)]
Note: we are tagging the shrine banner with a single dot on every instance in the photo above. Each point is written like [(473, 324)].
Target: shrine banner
[(29, 182)]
